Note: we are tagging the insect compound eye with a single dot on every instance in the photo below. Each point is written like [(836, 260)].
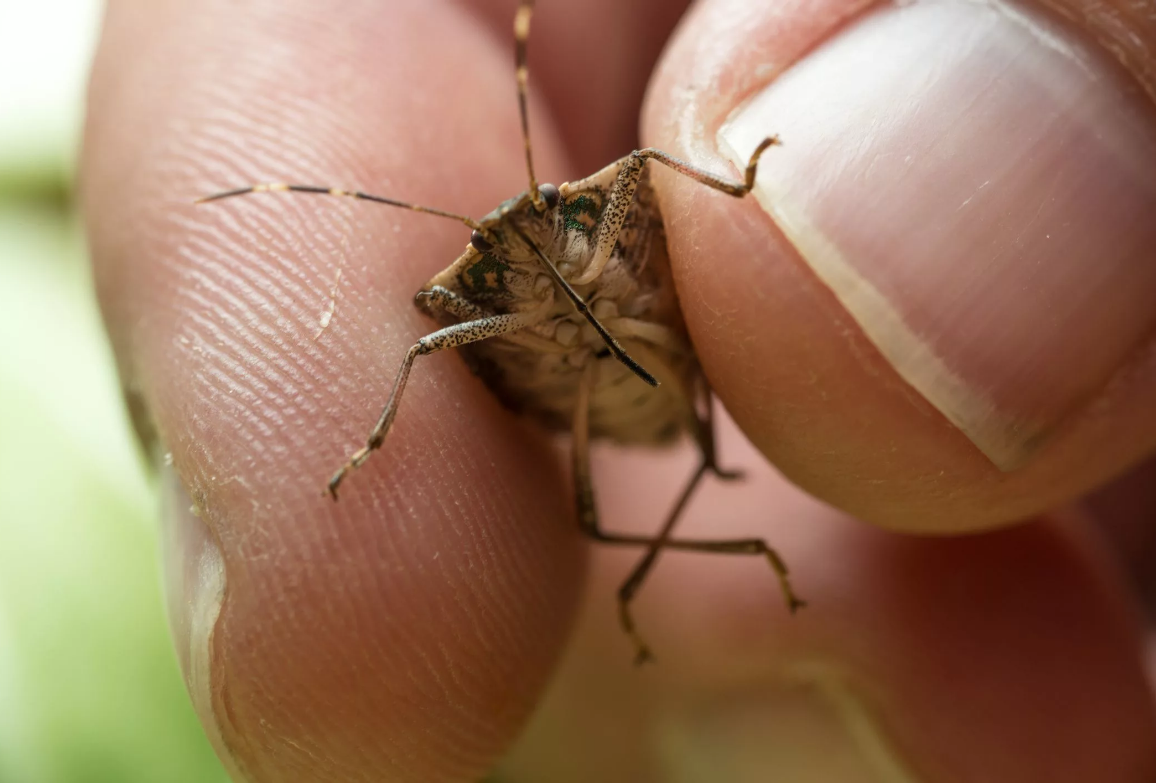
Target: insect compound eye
[(551, 194), (480, 243)]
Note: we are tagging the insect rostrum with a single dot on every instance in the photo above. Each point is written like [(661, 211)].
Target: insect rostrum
[(563, 303)]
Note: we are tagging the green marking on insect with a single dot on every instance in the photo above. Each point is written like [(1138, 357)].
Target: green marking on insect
[(487, 274), (582, 213)]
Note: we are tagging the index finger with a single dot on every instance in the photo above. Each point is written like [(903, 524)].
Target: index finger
[(407, 630)]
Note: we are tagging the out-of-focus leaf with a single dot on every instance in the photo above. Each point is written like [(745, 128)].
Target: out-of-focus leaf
[(89, 689)]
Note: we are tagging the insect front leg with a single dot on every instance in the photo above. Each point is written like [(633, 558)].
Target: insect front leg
[(626, 182), (446, 300), (452, 336), (588, 520)]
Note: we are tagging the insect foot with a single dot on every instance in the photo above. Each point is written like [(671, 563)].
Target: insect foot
[(642, 653), (354, 461)]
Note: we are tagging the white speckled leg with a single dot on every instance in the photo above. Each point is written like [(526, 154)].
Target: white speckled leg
[(449, 337), (629, 173)]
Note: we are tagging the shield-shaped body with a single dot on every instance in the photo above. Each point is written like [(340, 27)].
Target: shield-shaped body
[(536, 371)]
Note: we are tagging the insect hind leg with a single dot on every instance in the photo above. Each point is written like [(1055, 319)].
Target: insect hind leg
[(590, 526), (705, 436)]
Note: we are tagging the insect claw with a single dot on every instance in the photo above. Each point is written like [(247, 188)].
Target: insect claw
[(729, 475), (331, 487)]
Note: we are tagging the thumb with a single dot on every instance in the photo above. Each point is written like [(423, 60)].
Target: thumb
[(943, 294)]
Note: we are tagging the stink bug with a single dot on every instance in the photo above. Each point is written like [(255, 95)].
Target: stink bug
[(563, 303)]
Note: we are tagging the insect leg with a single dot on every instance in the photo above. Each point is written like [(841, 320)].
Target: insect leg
[(729, 186), (750, 546), (450, 337), (447, 301), (588, 520), (588, 512), (622, 194), (586, 506), (705, 435)]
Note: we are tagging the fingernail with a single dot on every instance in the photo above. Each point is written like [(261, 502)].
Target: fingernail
[(194, 589), (976, 183), (795, 734)]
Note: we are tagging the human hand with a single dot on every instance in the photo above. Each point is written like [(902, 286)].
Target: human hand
[(406, 632)]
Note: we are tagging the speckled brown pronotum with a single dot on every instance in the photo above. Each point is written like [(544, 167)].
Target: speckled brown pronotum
[(563, 304)]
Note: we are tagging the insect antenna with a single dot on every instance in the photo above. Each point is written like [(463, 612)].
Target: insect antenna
[(580, 304), (521, 35), (281, 187)]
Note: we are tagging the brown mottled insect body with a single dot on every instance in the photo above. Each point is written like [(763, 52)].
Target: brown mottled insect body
[(564, 304), (537, 371)]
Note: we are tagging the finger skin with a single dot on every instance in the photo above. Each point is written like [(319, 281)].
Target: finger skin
[(789, 362), (1011, 655), (594, 91), (405, 632), (978, 659), (322, 653)]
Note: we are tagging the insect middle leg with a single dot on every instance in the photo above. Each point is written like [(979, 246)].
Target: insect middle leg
[(705, 435), (451, 336), (588, 520)]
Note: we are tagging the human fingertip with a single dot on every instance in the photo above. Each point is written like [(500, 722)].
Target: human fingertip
[(987, 134), (936, 311)]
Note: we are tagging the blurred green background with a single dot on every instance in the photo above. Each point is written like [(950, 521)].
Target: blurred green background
[(89, 685)]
